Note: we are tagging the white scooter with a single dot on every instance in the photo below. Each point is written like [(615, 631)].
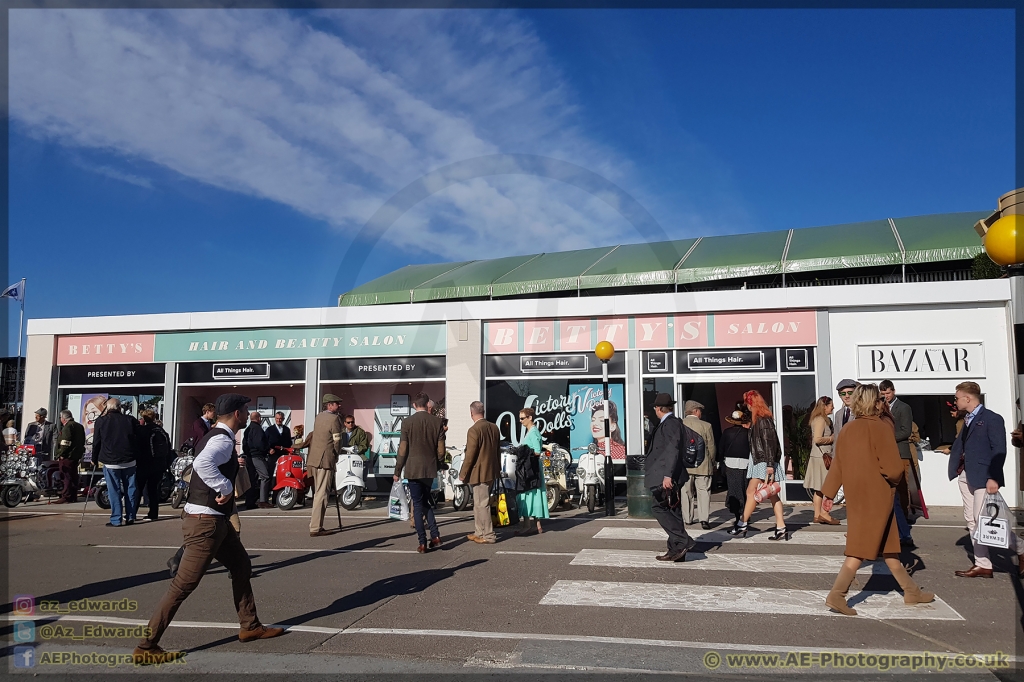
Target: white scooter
[(455, 490), (590, 474), (349, 478)]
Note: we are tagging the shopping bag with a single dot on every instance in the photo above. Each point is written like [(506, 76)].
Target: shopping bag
[(992, 527), (766, 490), (504, 511), (398, 506), (242, 482)]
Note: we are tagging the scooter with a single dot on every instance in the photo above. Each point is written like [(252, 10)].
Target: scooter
[(20, 476), (181, 470), (556, 462), (455, 490), (291, 480), (590, 474), (349, 480)]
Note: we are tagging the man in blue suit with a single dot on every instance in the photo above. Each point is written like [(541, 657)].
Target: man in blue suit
[(976, 461)]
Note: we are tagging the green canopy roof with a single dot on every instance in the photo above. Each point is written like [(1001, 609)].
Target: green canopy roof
[(893, 241)]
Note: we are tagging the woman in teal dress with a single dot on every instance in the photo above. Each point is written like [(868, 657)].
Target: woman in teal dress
[(533, 504)]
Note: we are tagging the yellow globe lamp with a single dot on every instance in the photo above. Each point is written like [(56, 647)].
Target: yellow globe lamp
[(604, 351), (1004, 241)]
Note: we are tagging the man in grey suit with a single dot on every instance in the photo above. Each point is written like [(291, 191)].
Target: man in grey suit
[(420, 452), (903, 416), (664, 475), (843, 415)]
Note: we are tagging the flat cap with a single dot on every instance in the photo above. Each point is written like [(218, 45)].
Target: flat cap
[(229, 402), (330, 398), (692, 405), (846, 383), (42, 412)]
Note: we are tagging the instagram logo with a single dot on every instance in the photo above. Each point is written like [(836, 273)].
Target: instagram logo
[(24, 605)]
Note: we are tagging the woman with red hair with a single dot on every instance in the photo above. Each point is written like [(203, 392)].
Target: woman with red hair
[(764, 462)]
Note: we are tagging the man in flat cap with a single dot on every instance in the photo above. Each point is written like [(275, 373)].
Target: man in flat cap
[(844, 415), (664, 475), (209, 535), (40, 433), (323, 459), (698, 487)]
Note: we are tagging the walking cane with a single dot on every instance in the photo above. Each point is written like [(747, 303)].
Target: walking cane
[(87, 493), (337, 497)]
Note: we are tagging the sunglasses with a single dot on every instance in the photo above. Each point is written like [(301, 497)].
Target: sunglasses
[(349, 423), (522, 419), (842, 393)]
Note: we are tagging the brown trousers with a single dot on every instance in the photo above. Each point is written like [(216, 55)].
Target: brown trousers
[(206, 538), (323, 485), (484, 527)]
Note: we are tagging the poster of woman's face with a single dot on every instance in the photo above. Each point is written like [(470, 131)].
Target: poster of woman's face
[(92, 408)]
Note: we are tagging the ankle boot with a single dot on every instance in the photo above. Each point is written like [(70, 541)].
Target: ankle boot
[(836, 599), (912, 594)]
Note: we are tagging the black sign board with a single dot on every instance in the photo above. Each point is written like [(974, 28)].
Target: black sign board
[(111, 375), (727, 360), (657, 362), (249, 372), (355, 369), (577, 364), (797, 359)]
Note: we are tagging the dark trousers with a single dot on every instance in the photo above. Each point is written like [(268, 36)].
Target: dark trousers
[(903, 489), (419, 489), (671, 519), (264, 466), (206, 538), (69, 470), (737, 495), (148, 487), (253, 493)]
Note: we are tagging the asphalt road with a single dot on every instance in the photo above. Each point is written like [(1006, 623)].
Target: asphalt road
[(564, 602)]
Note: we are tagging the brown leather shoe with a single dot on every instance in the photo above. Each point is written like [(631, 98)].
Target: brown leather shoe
[(671, 556), (435, 543), (827, 521), (975, 572), (261, 632), (264, 505), (473, 537), (319, 533), (155, 656), (422, 549)]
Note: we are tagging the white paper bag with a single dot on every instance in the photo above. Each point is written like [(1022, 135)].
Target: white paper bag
[(398, 508), (992, 527)]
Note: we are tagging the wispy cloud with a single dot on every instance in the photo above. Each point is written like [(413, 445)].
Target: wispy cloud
[(115, 174), (329, 113)]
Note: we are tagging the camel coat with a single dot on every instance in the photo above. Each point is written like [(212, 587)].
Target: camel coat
[(867, 464)]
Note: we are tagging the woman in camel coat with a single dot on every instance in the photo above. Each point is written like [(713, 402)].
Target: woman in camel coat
[(867, 465)]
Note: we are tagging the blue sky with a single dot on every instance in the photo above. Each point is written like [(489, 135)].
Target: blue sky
[(201, 160)]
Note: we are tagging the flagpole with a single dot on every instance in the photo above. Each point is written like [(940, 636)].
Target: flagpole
[(21, 325)]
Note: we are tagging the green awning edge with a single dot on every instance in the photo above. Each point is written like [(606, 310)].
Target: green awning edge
[(696, 275), (954, 253), (537, 286), (861, 261)]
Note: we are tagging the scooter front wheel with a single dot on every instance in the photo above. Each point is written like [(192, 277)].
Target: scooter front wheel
[(591, 497), (12, 495), (461, 499), (351, 496), (177, 497), (286, 498), (103, 498), (553, 498)]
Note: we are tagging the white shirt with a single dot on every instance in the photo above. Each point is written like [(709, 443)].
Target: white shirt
[(218, 451)]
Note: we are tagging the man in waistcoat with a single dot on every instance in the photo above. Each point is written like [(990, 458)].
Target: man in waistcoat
[(209, 535)]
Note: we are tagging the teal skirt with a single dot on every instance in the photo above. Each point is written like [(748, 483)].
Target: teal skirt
[(534, 503)]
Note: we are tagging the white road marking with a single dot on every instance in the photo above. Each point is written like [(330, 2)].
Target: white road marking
[(572, 554), (799, 537), (717, 561), (719, 599), (295, 550), (473, 634)]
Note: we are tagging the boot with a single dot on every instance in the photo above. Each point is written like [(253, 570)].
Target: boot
[(836, 599), (912, 594)]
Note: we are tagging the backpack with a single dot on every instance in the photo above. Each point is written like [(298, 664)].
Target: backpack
[(692, 447), (527, 468)]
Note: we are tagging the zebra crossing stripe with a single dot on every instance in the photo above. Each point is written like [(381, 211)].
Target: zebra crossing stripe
[(719, 561), (800, 537), (721, 599)]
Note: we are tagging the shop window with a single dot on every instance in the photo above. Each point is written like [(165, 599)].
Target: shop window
[(568, 411), (652, 387), (87, 405), (793, 420), (936, 426)]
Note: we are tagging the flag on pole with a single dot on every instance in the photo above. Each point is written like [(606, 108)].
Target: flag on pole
[(15, 291)]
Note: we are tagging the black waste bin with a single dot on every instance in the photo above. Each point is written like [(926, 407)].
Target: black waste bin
[(638, 497)]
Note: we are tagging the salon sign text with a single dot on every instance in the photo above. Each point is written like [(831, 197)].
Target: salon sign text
[(927, 361)]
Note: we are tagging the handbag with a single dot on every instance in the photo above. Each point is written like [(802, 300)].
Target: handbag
[(504, 511), (242, 482), (826, 458), (767, 489)]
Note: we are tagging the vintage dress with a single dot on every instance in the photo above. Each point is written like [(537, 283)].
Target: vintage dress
[(534, 502), (867, 464)]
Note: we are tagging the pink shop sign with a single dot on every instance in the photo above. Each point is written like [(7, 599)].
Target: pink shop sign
[(768, 328), (104, 350)]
